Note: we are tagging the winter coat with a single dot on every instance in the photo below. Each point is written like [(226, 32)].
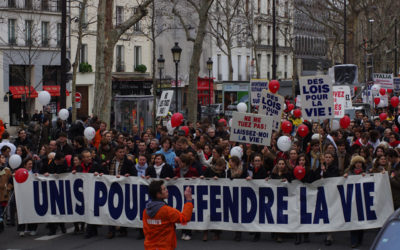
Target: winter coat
[(395, 185), (169, 156), (166, 171), (5, 186), (127, 167)]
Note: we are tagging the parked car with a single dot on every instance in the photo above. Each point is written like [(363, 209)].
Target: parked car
[(388, 236)]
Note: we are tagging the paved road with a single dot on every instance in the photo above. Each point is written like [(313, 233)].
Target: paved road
[(9, 239)]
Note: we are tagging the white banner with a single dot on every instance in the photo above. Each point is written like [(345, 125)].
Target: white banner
[(251, 128), (342, 100), (332, 204), (385, 80), (396, 84), (272, 105), (256, 86), (164, 103), (316, 97)]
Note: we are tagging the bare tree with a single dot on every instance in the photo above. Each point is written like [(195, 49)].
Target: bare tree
[(226, 26), (201, 8), (108, 35)]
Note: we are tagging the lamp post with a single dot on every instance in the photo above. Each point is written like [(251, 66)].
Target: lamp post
[(209, 67), (273, 40), (176, 54), (161, 62), (345, 33)]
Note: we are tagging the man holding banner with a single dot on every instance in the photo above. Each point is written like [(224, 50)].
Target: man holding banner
[(159, 219)]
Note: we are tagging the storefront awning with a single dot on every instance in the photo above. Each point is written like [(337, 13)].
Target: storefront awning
[(18, 91), (54, 90)]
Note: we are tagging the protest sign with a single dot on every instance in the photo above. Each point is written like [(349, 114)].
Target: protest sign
[(342, 100), (332, 204), (396, 84), (271, 105), (256, 86), (316, 97), (384, 80), (251, 128), (164, 103)]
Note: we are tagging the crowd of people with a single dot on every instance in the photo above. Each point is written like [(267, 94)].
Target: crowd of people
[(365, 146)]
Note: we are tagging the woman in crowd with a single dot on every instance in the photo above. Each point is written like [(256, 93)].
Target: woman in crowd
[(160, 169), (167, 151), (381, 165)]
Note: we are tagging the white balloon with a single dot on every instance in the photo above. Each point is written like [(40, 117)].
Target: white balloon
[(230, 122), (375, 89), (315, 137), (14, 161), (237, 151), (284, 143), (242, 107), (335, 125), (398, 119), (284, 106), (63, 114), (44, 98), (89, 133)]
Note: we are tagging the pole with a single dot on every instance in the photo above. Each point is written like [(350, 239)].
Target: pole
[(273, 40), (160, 80), (209, 88), (176, 87), (63, 100), (395, 72), (345, 33)]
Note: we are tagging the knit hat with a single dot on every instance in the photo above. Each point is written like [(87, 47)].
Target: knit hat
[(357, 158)]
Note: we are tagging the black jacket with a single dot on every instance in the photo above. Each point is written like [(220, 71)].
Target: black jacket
[(53, 168), (210, 173), (261, 173), (92, 167), (242, 176), (166, 171), (128, 167)]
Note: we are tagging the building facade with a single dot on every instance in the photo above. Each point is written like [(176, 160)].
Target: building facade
[(30, 33)]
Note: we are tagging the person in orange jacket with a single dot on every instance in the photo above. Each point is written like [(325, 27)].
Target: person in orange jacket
[(99, 134), (159, 219)]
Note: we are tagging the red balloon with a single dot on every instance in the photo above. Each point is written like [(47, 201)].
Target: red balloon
[(297, 113), (290, 107), (390, 91), (186, 129), (383, 116), (299, 172), (355, 89), (345, 122), (287, 127), (382, 91), (222, 120), (21, 175), (394, 101), (303, 130), (377, 100), (273, 86), (176, 119), (68, 158), (396, 129)]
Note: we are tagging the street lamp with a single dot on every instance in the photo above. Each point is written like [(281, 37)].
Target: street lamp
[(161, 62), (371, 21), (209, 67), (176, 54)]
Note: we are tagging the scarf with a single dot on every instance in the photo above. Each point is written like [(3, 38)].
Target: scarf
[(183, 171), (314, 156), (158, 169), (141, 170)]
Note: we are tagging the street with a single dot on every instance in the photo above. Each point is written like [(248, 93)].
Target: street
[(9, 239)]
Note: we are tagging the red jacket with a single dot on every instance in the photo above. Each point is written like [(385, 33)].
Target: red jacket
[(159, 230), (192, 172)]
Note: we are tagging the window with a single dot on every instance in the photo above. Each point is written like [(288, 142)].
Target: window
[(269, 35), (239, 41), (85, 18), (286, 9), (247, 7), (45, 5), (12, 39), (259, 62), (239, 58), (28, 32), (269, 7), (45, 34), (137, 26), (119, 13), (219, 67), (286, 36), (51, 75), (58, 34), (58, 5), (120, 57), (11, 4), (28, 4), (286, 66), (19, 75), (138, 56), (84, 53), (259, 33), (258, 6)]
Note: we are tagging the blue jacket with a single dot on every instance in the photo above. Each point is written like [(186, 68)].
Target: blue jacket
[(169, 156)]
